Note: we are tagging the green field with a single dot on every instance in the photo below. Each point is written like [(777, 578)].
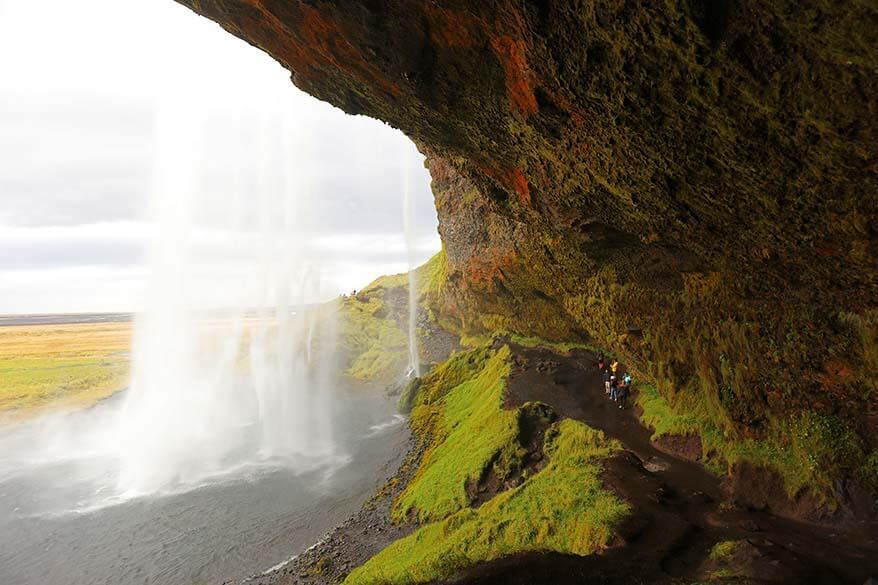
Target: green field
[(61, 366)]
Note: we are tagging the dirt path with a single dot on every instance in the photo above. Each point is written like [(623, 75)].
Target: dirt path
[(679, 510)]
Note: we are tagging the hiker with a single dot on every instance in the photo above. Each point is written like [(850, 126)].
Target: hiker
[(602, 363), (626, 379), (614, 388), (614, 365), (622, 395), (607, 382)]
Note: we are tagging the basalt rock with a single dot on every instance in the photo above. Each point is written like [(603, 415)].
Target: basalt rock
[(703, 173)]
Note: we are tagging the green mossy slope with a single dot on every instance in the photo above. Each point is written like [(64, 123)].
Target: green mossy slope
[(375, 343), (467, 428), (459, 418)]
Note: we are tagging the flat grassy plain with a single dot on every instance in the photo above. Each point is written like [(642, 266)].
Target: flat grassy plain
[(61, 366)]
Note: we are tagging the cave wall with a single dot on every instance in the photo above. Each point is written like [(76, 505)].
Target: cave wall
[(690, 183)]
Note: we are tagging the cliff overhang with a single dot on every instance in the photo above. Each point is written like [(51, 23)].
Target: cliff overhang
[(692, 184)]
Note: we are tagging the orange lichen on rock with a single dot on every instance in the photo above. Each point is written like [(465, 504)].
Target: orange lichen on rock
[(451, 28), (327, 36), (317, 42), (512, 54), (489, 266), (520, 185), (513, 182)]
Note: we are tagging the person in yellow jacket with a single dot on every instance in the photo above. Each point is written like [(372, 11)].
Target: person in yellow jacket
[(614, 365)]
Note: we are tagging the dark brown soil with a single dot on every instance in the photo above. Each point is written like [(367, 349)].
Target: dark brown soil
[(758, 488), (682, 446), (534, 421)]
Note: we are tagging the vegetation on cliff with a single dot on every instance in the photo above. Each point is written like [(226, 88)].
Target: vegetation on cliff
[(468, 436), (372, 335), (751, 392), (374, 322), (808, 450)]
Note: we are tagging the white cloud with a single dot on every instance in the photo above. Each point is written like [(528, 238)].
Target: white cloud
[(78, 289), (86, 139)]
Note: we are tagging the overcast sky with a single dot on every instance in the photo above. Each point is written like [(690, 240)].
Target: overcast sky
[(134, 133)]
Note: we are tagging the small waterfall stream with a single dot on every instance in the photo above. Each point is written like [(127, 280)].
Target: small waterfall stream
[(408, 219)]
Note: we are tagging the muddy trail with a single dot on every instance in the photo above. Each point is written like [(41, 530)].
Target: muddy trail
[(679, 510)]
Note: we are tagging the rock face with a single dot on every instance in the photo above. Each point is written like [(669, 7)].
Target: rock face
[(690, 183)]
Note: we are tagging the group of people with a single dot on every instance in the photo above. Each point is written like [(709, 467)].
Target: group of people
[(617, 389)]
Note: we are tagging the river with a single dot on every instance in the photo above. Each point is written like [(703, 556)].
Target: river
[(57, 526)]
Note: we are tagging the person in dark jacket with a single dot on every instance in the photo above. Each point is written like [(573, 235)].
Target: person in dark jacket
[(614, 388), (606, 376), (622, 395)]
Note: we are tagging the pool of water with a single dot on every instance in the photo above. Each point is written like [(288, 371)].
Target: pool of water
[(60, 524)]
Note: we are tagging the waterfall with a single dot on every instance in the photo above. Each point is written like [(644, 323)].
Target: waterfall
[(408, 219), (230, 366)]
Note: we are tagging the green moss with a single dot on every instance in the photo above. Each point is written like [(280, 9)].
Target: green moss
[(376, 345), (408, 395), (868, 474), (558, 346), (472, 430), (473, 341), (431, 276), (664, 420), (808, 450), (724, 550), (563, 508), (458, 414)]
